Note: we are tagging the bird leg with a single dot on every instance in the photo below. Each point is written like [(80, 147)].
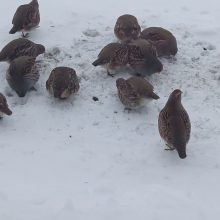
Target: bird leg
[(24, 35), (109, 74), (169, 148)]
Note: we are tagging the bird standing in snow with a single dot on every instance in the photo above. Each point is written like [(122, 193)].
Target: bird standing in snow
[(174, 124), (113, 56), (26, 18), (4, 109), (162, 39), (143, 58), (20, 47), (22, 74), (135, 92), (62, 82), (127, 28)]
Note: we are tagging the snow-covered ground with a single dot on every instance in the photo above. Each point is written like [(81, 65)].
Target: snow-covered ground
[(85, 160)]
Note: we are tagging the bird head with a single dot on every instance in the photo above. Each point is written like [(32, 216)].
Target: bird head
[(176, 94), (127, 28), (174, 98)]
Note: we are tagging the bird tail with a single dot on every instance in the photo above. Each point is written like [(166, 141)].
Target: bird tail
[(155, 96), (13, 30), (181, 152), (97, 62)]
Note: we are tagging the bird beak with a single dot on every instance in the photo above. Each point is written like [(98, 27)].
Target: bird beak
[(179, 94)]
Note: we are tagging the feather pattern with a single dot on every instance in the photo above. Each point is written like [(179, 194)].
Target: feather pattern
[(22, 74), (62, 82), (174, 124), (26, 17), (20, 47)]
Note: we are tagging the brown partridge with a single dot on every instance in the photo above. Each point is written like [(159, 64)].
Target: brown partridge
[(174, 124), (113, 56), (20, 47), (26, 17), (135, 92), (162, 39), (143, 58), (22, 74)]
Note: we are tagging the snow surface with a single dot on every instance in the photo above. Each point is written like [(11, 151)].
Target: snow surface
[(79, 159)]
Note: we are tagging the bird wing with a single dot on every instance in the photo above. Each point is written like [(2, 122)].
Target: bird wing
[(20, 15), (187, 124), (173, 128), (129, 91)]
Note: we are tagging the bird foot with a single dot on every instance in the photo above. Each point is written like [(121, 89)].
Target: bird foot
[(24, 35), (32, 89), (127, 110), (109, 74)]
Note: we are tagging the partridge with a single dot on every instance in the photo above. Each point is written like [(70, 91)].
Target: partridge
[(22, 74), (26, 17), (4, 109), (174, 124), (135, 92), (127, 28), (20, 47), (143, 58), (62, 82), (162, 39), (113, 56)]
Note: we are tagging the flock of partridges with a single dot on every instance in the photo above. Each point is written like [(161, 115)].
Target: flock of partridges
[(136, 50)]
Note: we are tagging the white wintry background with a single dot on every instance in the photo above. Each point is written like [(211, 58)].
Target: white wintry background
[(84, 160)]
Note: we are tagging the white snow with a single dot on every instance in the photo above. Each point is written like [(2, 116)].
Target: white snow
[(79, 159)]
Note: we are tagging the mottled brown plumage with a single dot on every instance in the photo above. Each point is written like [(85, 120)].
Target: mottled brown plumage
[(62, 82), (127, 28), (162, 39), (4, 109), (174, 124), (26, 17), (135, 91), (20, 47), (143, 58), (22, 74), (112, 56)]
